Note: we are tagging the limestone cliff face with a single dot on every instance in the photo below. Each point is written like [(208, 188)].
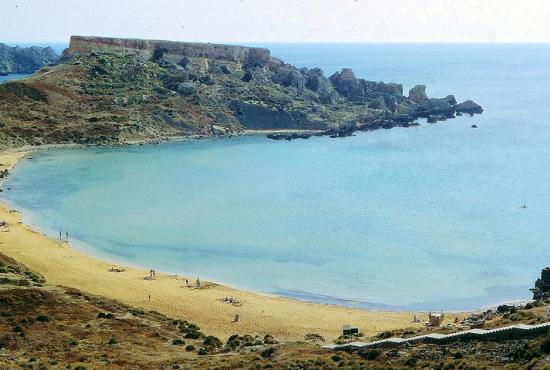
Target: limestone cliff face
[(172, 51)]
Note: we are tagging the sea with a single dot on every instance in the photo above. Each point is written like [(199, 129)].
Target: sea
[(434, 217)]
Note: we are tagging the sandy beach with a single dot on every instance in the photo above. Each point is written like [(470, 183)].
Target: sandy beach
[(286, 319)]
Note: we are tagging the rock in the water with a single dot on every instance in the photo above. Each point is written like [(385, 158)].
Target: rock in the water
[(469, 106), (542, 285), (474, 126), (418, 94)]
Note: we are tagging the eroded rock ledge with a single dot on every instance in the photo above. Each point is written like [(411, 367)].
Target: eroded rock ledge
[(114, 91)]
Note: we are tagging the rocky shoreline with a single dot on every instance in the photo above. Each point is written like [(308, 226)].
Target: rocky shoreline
[(115, 91)]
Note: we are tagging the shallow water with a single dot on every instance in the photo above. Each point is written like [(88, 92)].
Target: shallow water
[(426, 217), (13, 76)]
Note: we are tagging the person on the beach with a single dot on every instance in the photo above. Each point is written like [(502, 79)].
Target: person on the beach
[(149, 298), (67, 235), (187, 283), (198, 282)]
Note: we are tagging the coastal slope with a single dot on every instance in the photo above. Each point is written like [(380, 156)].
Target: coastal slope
[(114, 91)]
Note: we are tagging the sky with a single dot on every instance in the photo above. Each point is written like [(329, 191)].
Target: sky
[(278, 21)]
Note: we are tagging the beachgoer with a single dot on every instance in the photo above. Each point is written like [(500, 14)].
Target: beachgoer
[(198, 282), (60, 235), (67, 235), (149, 297), (187, 282)]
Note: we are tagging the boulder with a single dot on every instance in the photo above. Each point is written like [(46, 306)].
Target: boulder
[(346, 84), (287, 76), (384, 101), (542, 285), (382, 87), (187, 88), (418, 94), (469, 106), (437, 106), (226, 69)]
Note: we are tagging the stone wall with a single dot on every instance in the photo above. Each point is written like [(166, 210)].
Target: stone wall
[(82, 45)]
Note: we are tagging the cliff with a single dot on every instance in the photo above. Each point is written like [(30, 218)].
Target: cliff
[(113, 91), (171, 51), (25, 60)]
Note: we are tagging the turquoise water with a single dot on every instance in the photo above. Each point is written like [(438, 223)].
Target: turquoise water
[(427, 217), (14, 76)]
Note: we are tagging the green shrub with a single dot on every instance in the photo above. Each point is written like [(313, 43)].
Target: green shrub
[(268, 352), (42, 318), (113, 340), (193, 335), (105, 315), (189, 347), (212, 341), (370, 354), (178, 342), (202, 351), (18, 328), (545, 346)]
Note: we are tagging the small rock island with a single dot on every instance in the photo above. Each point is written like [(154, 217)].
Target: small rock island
[(110, 91)]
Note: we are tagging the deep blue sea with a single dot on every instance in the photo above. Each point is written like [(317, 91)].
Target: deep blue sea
[(427, 217)]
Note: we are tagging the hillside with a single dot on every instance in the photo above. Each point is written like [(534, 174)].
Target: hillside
[(53, 327), (113, 91)]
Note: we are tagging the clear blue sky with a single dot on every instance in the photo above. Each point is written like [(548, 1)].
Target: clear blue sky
[(279, 21)]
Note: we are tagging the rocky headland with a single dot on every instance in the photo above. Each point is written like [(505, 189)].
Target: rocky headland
[(25, 60), (108, 91)]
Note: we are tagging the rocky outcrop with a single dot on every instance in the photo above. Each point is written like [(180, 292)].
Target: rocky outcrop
[(25, 60), (418, 94), (172, 51), (469, 107), (541, 290), (120, 90)]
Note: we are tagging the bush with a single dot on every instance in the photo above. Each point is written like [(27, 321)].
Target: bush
[(178, 342), (545, 346), (202, 351), (370, 354), (42, 318), (212, 341), (458, 355), (193, 335), (410, 362), (18, 328), (105, 315), (528, 306), (113, 340), (268, 352), (189, 347), (336, 358)]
